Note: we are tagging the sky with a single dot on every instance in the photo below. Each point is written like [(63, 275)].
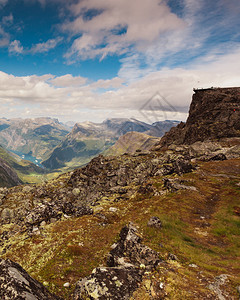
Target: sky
[(89, 60)]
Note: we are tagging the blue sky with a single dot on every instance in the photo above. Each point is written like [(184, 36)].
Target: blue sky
[(94, 59)]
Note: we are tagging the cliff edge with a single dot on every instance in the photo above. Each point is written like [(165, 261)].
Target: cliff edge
[(214, 114)]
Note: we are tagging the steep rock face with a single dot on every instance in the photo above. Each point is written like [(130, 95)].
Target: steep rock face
[(16, 284), (214, 113)]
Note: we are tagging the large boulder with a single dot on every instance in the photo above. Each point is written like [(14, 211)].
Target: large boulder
[(17, 284), (127, 262)]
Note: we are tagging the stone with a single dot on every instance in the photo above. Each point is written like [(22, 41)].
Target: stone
[(215, 286), (66, 284), (238, 290), (76, 192), (172, 256), (128, 260), (27, 189), (108, 283), (7, 214), (113, 209), (16, 284), (193, 266), (155, 222), (174, 185)]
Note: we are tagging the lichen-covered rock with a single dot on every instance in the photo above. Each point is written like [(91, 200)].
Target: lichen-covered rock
[(126, 264), (174, 185), (130, 249), (108, 283), (17, 284), (155, 222)]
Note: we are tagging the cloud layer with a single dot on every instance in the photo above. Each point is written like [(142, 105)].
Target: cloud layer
[(79, 99), (165, 47), (111, 27)]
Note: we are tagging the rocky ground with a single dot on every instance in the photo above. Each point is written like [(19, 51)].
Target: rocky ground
[(184, 202)]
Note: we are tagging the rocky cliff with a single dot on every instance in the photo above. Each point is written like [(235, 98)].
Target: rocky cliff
[(214, 114)]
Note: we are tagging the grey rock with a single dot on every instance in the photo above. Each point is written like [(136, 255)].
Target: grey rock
[(16, 284), (238, 290), (27, 189), (155, 222), (127, 262), (215, 287), (7, 214), (108, 283), (174, 185), (172, 256)]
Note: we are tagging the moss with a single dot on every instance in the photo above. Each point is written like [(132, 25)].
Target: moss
[(71, 248)]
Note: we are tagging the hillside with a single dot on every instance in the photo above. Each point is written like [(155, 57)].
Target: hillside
[(132, 142), (27, 171), (88, 139), (8, 176), (36, 137), (160, 224)]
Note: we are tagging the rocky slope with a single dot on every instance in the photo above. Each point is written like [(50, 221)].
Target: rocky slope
[(35, 136), (159, 224), (178, 199), (88, 139), (214, 113)]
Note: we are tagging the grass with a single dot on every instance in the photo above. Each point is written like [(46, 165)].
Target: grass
[(70, 248)]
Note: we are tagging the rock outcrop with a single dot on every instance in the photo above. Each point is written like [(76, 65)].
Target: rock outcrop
[(214, 114), (127, 262), (16, 284)]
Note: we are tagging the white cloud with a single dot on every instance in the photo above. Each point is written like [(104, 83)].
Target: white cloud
[(75, 98), (7, 20), (68, 80), (113, 83), (140, 24), (45, 46), (4, 36), (15, 47)]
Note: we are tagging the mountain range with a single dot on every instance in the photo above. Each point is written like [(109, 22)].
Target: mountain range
[(156, 224), (88, 139), (36, 137)]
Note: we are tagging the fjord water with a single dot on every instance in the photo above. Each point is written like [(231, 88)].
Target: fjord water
[(29, 157)]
